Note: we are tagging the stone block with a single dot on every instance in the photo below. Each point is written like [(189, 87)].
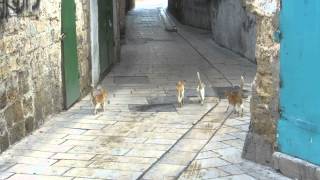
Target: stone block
[(27, 106), (295, 168), (17, 132), (36, 169), (38, 111), (257, 149), (3, 97), (288, 167), (317, 173), (4, 142), (29, 125), (23, 82), (13, 114)]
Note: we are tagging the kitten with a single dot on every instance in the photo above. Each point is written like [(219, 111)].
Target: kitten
[(180, 92), (201, 89), (235, 98), (98, 98)]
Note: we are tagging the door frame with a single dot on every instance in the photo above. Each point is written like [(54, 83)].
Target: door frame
[(94, 33), (96, 73)]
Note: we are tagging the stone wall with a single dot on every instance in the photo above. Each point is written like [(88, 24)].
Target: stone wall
[(247, 27), (30, 68), (191, 12), (83, 39), (261, 140), (233, 26), (116, 29), (122, 18)]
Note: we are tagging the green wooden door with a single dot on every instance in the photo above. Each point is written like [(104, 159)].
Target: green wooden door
[(69, 53), (105, 19)]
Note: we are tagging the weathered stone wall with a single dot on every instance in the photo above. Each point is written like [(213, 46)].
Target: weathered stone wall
[(122, 18), (30, 69), (247, 27), (191, 12), (83, 39), (233, 27), (196, 13), (261, 139), (116, 29), (30, 72)]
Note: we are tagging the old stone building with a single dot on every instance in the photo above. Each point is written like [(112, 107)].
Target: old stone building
[(33, 80), (246, 28), (251, 28), (53, 52)]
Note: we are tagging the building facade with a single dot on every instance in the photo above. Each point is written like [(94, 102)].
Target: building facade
[(48, 59), (282, 39)]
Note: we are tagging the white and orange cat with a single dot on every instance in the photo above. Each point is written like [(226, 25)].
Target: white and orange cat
[(180, 92), (98, 98)]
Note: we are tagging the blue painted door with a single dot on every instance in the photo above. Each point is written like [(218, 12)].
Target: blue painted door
[(299, 126)]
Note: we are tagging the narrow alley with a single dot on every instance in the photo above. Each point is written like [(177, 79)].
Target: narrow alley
[(143, 134)]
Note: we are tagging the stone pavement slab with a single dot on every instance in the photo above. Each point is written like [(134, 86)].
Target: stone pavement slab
[(221, 157)]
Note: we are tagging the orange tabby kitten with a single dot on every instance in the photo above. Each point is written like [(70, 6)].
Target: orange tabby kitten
[(98, 98), (180, 92), (235, 98)]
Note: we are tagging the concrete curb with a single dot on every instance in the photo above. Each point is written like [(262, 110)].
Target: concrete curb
[(295, 168)]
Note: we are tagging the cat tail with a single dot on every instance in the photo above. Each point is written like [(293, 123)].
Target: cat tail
[(199, 77)]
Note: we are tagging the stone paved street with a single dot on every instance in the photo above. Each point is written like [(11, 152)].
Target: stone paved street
[(143, 134)]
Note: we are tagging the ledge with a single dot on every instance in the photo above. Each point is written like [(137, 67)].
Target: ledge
[(295, 168)]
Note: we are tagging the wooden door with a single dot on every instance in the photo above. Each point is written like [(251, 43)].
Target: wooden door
[(69, 53), (299, 125), (105, 20)]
